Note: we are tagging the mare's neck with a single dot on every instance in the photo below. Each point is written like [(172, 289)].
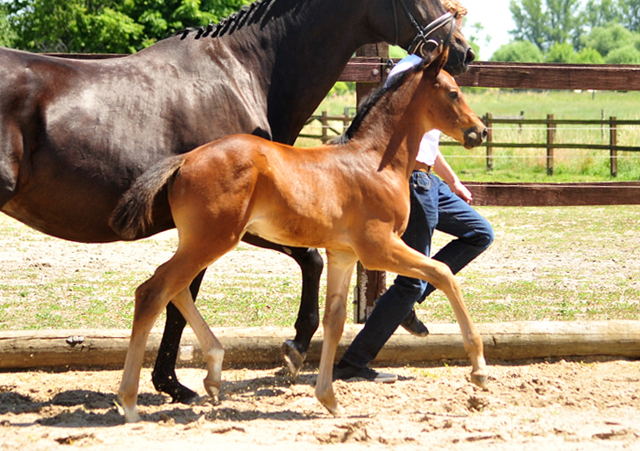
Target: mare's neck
[(298, 50)]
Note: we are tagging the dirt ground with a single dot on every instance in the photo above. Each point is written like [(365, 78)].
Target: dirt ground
[(567, 405), (588, 404)]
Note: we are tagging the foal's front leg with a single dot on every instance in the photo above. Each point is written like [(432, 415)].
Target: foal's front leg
[(339, 269), (408, 262)]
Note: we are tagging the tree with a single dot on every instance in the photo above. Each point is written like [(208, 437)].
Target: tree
[(530, 20), (609, 38), (589, 56), (630, 14), (518, 52), (599, 13), (117, 26), (6, 33), (561, 53), (557, 22)]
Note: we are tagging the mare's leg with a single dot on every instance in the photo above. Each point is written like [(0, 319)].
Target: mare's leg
[(401, 259), (310, 262), (339, 269), (211, 347), (164, 372)]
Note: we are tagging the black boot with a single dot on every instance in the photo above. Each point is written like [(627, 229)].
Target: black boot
[(414, 326)]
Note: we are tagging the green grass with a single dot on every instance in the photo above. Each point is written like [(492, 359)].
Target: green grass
[(561, 264)]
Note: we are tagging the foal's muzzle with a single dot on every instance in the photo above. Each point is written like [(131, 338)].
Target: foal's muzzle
[(474, 136)]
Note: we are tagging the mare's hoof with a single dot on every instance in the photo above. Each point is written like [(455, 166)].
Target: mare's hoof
[(293, 358), (178, 392), (480, 380)]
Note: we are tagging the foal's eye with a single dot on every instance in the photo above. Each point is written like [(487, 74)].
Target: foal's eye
[(453, 95)]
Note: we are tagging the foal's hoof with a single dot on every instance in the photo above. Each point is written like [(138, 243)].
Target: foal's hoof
[(292, 357), (213, 390), (336, 410), (480, 379)]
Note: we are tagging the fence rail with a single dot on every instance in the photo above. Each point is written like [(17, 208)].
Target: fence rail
[(550, 125)]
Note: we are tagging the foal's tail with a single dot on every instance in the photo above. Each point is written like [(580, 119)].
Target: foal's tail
[(134, 210)]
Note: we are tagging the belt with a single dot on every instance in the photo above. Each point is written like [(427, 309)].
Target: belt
[(425, 169)]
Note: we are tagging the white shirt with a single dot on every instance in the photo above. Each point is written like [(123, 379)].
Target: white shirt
[(430, 143)]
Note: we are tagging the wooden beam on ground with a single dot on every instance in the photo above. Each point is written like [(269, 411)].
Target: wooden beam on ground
[(554, 194), (84, 349)]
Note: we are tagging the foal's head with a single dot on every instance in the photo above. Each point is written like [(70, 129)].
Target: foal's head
[(438, 103)]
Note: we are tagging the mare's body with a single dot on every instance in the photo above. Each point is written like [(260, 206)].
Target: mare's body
[(350, 198), (75, 134)]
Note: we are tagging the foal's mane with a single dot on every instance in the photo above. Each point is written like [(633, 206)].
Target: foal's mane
[(247, 14), (372, 100)]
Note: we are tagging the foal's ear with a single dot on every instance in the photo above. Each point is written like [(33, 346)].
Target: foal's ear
[(440, 61)]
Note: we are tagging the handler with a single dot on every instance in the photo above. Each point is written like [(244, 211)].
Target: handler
[(434, 205)]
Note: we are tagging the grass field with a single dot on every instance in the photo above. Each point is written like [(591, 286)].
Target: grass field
[(577, 263), (529, 165)]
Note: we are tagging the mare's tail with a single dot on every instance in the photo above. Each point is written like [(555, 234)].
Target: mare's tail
[(134, 210)]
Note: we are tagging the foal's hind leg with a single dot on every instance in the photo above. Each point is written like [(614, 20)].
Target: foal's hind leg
[(151, 297), (211, 347), (164, 372), (150, 300)]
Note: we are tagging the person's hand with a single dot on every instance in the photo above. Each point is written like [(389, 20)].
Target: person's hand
[(462, 192)]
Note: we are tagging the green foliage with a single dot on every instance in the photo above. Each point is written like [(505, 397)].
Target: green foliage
[(605, 39), (589, 56), (519, 51), (572, 31), (600, 13), (107, 26), (6, 33), (561, 53), (624, 55)]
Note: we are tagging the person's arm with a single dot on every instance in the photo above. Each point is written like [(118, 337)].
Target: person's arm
[(447, 174)]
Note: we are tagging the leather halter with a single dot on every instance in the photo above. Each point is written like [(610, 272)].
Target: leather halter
[(422, 33)]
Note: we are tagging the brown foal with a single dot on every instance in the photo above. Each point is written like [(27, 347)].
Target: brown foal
[(351, 198)]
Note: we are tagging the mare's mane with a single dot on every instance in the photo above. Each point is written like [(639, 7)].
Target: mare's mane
[(372, 100), (247, 14)]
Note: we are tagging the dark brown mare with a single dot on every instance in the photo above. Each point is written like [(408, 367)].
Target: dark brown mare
[(75, 134), (351, 198)]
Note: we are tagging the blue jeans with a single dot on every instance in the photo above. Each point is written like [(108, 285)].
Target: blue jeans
[(433, 206)]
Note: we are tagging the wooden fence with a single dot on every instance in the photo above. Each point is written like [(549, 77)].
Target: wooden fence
[(550, 124), (325, 121)]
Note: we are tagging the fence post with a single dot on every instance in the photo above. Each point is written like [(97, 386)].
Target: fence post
[(324, 136), (488, 122), (551, 132), (369, 284), (613, 142), (346, 120)]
